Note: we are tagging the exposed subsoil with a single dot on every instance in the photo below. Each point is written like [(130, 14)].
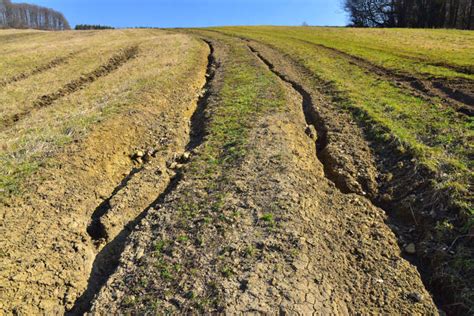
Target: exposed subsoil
[(213, 248), (405, 190), (114, 63), (125, 223), (457, 93), (116, 217), (61, 238)]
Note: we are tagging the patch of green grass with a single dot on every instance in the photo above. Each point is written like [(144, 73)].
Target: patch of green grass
[(227, 272), (417, 51), (267, 218), (437, 136)]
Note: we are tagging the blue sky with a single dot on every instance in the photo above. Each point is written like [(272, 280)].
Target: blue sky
[(197, 13)]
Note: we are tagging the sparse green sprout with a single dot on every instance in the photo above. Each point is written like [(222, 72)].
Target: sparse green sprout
[(227, 272), (268, 218), (160, 246), (250, 251), (183, 238)]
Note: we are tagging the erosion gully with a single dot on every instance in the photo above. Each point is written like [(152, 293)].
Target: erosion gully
[(107, 260), (313, 118)]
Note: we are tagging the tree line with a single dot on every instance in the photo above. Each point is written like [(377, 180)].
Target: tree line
[(29, 16), (411, 13), (93, 27)]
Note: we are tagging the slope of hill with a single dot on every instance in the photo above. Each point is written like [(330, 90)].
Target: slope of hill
[(236, 170)]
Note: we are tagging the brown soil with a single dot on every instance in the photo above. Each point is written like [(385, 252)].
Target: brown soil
[(323, 251), (111, 65), (48, 251), (405, 190)]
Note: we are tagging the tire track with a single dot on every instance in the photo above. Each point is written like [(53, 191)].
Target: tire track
[(317, 129), (107, 259), (316, 123), (410, 220), (449, 91), (114, 63), (52, 64)]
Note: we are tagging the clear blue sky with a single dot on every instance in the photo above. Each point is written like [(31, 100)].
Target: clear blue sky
[(197, 13)]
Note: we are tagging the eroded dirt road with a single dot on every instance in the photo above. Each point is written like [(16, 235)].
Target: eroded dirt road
[(230, 202), (270, 233)]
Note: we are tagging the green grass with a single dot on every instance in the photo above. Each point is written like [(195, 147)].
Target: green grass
[(417, 51), (436, 136)]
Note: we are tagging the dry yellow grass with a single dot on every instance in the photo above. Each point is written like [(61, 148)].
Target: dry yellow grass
[(162, 60)]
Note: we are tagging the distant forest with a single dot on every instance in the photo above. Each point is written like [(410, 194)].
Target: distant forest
[(81, 27), (29, 16), (411, 13)]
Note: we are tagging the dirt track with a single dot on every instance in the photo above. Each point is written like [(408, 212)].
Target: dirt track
[(323, 251), (292, 228)]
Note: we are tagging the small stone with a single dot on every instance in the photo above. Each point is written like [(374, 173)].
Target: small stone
[(185, 157), (173, 165), (140, 253), (139, 154), (415, 297), (147, 157), (311, 132), (410, 249)]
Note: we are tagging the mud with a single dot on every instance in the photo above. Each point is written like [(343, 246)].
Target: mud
[(210, 246)]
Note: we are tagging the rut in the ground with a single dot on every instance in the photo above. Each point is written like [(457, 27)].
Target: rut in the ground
[(405, 219), (25, 75), (427, 89), (313, 118), (107, 260), (114, 63), (315, 127), (264, 234)]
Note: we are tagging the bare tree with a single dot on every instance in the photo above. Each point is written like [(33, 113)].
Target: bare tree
[(411, 13), (24, 15)]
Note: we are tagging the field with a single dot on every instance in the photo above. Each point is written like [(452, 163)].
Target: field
[(236, 170)]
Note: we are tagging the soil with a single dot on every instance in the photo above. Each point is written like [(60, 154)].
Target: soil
[(126, 223), (48, 247), (322, 251)]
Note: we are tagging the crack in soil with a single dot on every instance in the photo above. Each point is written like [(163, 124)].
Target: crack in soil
[(96, 229), (427, 89), (114, 63), (107, 260), (314, 119)]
